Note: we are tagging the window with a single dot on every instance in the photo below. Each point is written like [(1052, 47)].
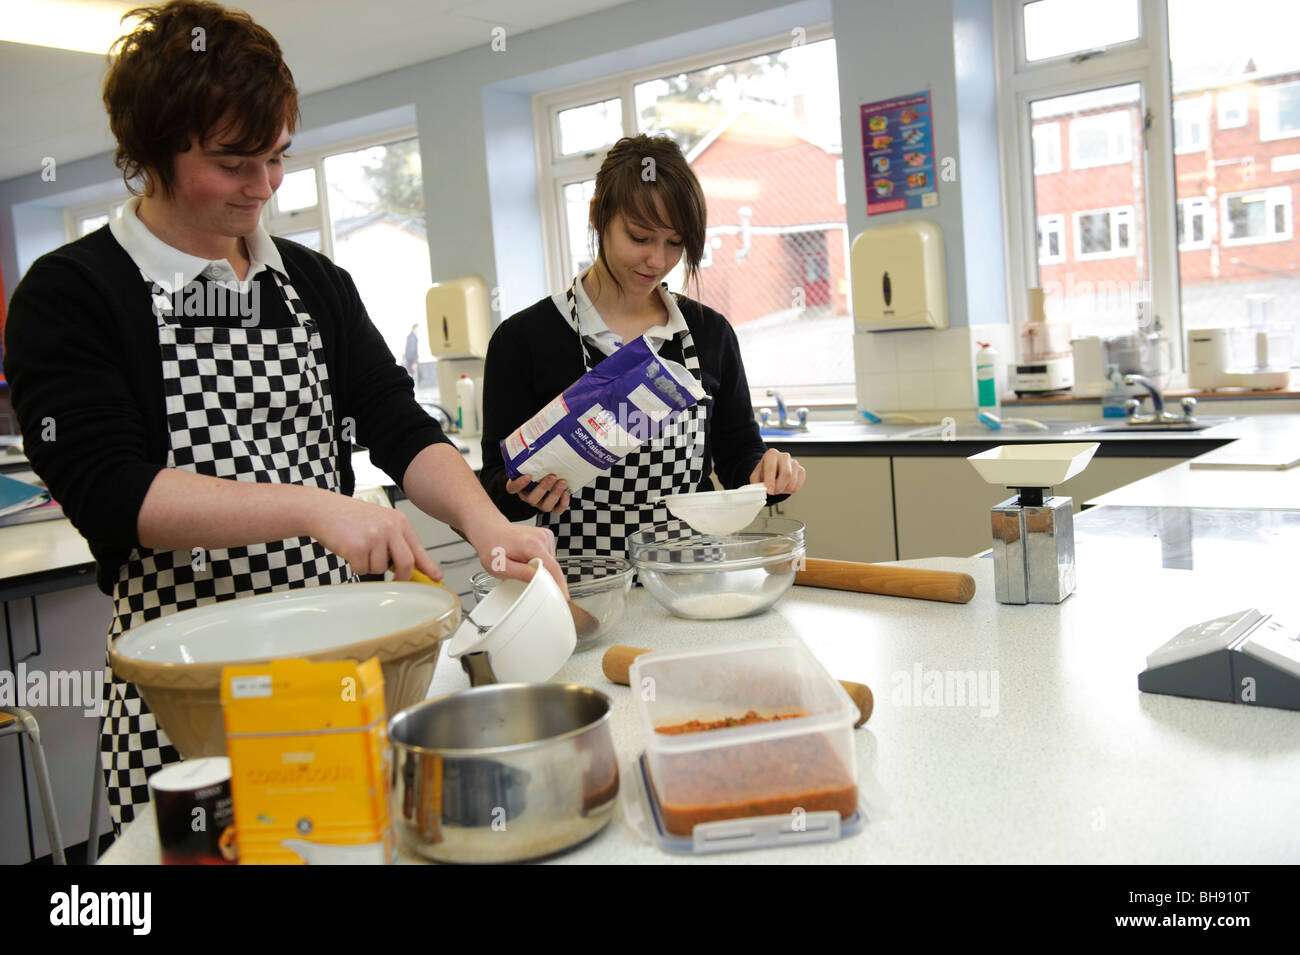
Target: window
[(1254, 217), (1279, 110), (1051, 240), (1211, 196), (362, 204), (1194, 223), (1055, 28), (760, 127), (1191, 124), (83, 220), (584, 128), (1249, 248), (1103, 233), (90, 223), (1232, 109), (1047, 148), (1102, 139)]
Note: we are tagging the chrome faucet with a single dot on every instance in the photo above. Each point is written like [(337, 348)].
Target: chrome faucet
[(780, 407), (782, 420), (1158, 413)]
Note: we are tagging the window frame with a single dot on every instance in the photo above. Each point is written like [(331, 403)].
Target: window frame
[(318, 217), (555, 170), (1115, 251), (72, 215), (1035, 129), (1206, 207), (1233, 96), (1145, 61), (1202, 103), (1268, 131), (1272, 195), (1044, 224), (1119, 119), (1023, 63)]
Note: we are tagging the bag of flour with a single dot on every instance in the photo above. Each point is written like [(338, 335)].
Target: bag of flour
[(602, 417)]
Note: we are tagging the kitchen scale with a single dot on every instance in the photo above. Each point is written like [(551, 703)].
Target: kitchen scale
[(1033, 532), (1244, 657), (641, 809)]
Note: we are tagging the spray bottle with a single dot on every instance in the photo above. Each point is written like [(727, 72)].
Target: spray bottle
[(986, 382)]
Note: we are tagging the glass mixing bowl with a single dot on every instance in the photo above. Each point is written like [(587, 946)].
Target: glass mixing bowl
[(598, 585), (718, 577)]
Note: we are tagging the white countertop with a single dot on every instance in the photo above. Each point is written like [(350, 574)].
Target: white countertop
[(56, 545), (1261, 439), (1070, 764)]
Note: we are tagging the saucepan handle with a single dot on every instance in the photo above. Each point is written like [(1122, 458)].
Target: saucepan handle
[(479, 668)]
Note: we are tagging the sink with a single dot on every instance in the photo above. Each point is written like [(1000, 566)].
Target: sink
[(1200, 424), (769, 432)]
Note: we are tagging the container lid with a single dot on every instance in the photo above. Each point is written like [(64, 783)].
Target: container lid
[(693, 684)]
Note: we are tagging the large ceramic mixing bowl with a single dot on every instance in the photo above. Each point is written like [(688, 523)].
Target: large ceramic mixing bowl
[(717, 577), (176, 661)]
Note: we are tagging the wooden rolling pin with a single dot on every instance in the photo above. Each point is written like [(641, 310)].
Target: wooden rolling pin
[(618, 661), (944, 585)]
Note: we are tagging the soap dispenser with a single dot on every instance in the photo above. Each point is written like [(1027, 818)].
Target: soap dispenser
[(1112, 402), (459, 317)]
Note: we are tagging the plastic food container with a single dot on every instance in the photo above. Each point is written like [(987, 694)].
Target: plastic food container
[(708, 577), (599, 585), (803, 762)]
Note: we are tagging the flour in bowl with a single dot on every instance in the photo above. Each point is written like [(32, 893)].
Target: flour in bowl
[(720, 606)]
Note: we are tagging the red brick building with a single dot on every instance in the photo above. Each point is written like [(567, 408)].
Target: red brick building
[(1237, 163), (776, 232)]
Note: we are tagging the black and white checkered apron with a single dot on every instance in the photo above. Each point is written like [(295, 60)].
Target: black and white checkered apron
[(601, 515), (246, 404)]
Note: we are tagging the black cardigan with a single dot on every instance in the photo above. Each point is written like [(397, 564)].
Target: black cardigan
[(534, 355), (85, 370)]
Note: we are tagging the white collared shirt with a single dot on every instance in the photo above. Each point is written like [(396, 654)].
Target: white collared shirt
[(173, 269), (595, 331)]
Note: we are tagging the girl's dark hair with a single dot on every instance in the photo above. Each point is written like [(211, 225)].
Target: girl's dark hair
[(188, 65), (637, 169)]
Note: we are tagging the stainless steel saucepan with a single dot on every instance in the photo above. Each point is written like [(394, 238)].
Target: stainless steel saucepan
[(503, 772)]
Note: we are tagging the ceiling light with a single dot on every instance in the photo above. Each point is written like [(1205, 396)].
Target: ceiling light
[(86, 26)]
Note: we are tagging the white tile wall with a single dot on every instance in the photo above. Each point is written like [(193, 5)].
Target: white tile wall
[(925, 370)]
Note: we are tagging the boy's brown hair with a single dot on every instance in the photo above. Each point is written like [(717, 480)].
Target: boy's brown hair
[(188, 67), (636, 169)]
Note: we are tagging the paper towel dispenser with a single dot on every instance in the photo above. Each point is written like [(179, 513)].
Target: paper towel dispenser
[(898, 277), (460, 318)]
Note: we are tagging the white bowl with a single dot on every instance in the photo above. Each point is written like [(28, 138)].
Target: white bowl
[(531, 632), (718, 512), (1033, 465)]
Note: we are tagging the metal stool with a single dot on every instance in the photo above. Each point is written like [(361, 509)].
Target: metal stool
[(15, 721)]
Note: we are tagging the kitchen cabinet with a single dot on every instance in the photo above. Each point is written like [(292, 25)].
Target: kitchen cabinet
[(847, 505), (941, 504), (58, 634), (452, 553)]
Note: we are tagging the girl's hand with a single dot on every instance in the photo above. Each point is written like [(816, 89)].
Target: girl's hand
[(781, 473), (551, 495), (369, 537)]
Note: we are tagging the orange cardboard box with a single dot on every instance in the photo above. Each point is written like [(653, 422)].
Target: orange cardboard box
[(310, 775)]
